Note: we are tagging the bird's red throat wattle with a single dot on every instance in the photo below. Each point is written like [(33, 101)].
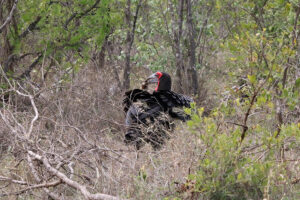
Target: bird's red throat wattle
[(159, 74)]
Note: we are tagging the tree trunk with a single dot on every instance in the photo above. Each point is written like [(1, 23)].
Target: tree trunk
[(177, 31), (102, 54), (193, 83), (110, 50), (129, 41), (5, 46)]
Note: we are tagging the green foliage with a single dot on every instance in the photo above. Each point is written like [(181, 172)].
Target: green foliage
[(261, 46), (227, 170), (62, 27)]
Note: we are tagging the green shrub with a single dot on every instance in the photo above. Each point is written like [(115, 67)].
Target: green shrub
[(230, 169)]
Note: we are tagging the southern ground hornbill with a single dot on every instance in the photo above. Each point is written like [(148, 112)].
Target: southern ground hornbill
[(149, 116)]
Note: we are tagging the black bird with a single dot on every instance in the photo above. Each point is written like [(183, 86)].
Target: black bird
[(147, 115)]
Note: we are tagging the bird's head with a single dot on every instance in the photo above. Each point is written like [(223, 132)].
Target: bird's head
[(162, 79)]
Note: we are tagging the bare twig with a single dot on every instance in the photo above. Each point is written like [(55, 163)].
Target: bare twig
[(3, 178), (38, 186), (237, 124), (36, 116), (204, 25)]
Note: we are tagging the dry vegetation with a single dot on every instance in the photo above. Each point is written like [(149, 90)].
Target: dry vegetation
[(79, 129), (66, 142)]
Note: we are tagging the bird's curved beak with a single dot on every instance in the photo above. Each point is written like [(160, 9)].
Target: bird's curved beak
[(152, 79)]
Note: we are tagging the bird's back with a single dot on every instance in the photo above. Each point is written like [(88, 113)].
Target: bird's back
[(170, 99), (149, 117)]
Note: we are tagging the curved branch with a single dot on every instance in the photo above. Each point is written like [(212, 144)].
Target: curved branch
[(74, 15), (70, 182), (31, 27)]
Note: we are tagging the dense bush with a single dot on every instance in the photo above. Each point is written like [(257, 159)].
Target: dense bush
[(253, 169)]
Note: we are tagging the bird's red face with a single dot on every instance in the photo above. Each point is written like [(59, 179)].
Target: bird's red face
[(162, 79)]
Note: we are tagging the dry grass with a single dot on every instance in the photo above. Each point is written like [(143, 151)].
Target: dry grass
[(81, 123)]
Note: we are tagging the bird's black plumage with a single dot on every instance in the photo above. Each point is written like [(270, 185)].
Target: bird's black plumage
[(147, 115)]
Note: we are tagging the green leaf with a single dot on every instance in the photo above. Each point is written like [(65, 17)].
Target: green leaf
[(252, 79), (285, 93), (297, 83)]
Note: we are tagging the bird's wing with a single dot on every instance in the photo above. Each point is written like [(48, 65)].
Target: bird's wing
[(171, 99), (179, 115), (134, 96)]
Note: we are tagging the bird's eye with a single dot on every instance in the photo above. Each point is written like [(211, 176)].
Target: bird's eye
[(158, 74)]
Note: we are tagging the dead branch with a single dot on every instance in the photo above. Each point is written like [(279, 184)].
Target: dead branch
[(36, 113), (3, 178), (37, 178), (70, 182), (38, 186), (36, 116)]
